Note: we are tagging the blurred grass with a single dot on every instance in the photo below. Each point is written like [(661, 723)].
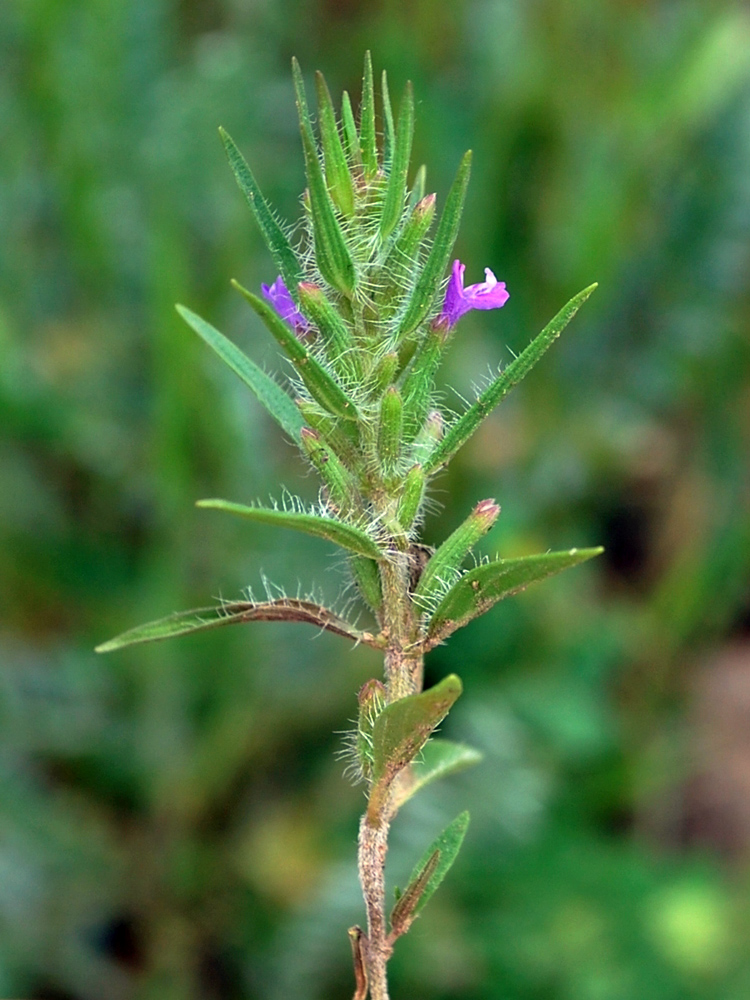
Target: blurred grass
[(173, 822)]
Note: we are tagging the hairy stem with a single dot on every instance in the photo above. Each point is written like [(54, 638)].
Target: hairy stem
[(373, 845), (403, 674)]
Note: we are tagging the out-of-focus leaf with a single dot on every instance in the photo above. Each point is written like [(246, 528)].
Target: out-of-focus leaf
[(438, 759), (429, 872)]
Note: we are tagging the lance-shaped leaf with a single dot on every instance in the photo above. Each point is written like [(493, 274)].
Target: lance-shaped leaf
[(438, 759), (428, 282), (400, 732), (417, 190), (388, 129), (459, 432), (428, 873), (331, 252), (367, 139), (351, 138), (237, 612), (337, 173), (395, 192), (275, 237), (272, 396), (345, 535), (321, 385), (483, 586)]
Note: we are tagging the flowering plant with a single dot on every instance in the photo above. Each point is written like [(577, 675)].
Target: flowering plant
[(361, 310)]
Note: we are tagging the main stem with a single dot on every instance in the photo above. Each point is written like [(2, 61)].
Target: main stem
[(403, 674)]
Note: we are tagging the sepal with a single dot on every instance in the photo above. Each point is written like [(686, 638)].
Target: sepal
[(337, 173)]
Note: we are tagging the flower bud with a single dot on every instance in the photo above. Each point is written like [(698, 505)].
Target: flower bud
[(390, 429), (447, 560), (412, 492)]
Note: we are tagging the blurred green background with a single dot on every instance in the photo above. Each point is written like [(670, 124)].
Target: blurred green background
[(173, 821)]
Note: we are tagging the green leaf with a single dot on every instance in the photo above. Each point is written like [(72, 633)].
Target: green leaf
[(402, 729), (417, 189), (238, 612), (337, 173), (351, 138), (438, 759), (367, 578), (396, 190), (483, 586), (389, 132), (321, 385), (275, 237), (329, 528), (460, 432), (428, 873), (429, 280), (331, 252), (272, 396), (367, 139)]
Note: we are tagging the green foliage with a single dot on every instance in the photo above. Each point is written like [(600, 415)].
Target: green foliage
[(429, 872), (345, 535), (402, 729), (613, 149), (273, 398)]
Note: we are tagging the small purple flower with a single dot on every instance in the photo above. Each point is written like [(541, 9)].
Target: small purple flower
[(489, 294), (279, 297)]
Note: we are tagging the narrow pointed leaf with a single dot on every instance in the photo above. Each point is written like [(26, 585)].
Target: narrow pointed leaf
[(438, 759), (448, 844), (396, 190), (238, 612), (345, 535), (321, 385), (275, 237), (418, 187), (460, 432), (351, 138), (272, 396), (367, 139), (337, 173), (331, 252), (402, 729), (485, 585), (429, 280), (390, 134)]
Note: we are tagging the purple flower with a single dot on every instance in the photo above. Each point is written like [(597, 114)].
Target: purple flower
[(279, 297), (489, 294)]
